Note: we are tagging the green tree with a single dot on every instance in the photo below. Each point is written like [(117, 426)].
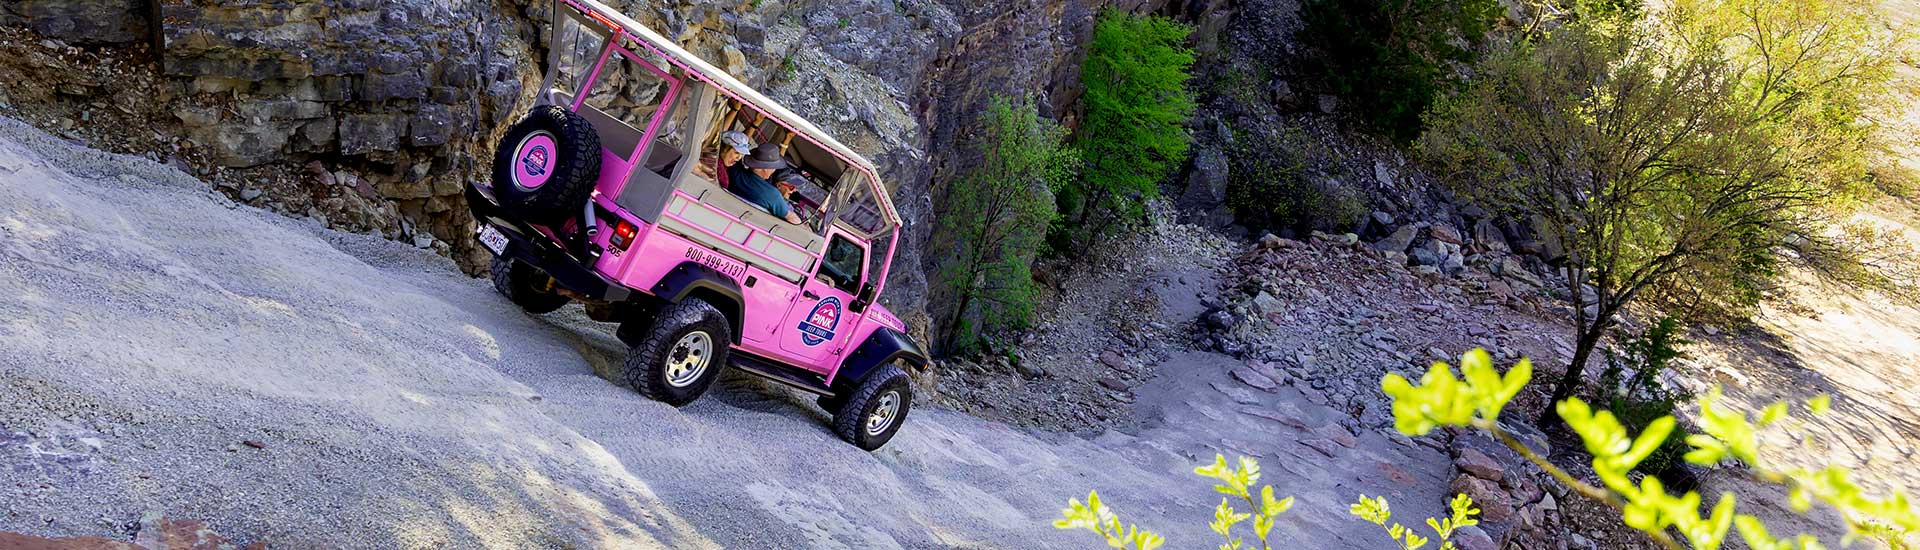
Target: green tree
[(1132, 132), (1695, 146), (1390, 58), (996, 219)]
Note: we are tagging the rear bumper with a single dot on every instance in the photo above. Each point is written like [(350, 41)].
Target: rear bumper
[(526, 244)]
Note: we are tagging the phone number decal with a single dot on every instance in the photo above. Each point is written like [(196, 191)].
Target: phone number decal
[(716, 261)]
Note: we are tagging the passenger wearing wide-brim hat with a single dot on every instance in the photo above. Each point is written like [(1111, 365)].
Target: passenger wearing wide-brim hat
[(750, 181)]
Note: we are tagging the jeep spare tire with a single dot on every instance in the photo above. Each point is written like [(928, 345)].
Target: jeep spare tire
[(546, 165)]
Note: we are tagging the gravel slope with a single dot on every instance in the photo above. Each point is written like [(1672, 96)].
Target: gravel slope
[(150, 330)]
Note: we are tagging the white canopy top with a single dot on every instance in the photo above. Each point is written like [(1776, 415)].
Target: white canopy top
[(729, 85)]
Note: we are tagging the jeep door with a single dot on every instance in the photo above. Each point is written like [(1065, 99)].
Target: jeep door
[(821, 322)]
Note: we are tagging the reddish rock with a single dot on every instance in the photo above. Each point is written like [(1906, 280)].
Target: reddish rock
[(1112, 384), (1493, 501), (1113, 360), (1474, 462), (1472, 537), (1396, 474), (1445, 233)]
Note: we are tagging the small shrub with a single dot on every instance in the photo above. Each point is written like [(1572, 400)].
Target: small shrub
[(1642, 399), (1269, 185), (994, 222), (1377, 511)]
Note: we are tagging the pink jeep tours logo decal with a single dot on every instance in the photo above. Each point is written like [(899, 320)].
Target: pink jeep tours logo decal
[(535, 160), (818, 326)]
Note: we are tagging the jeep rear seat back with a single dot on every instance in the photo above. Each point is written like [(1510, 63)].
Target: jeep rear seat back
[(647, 194)]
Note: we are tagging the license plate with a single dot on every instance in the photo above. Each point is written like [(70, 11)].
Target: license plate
[(495, 241)]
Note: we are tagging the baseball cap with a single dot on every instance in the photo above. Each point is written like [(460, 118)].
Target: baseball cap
[(738, 141)]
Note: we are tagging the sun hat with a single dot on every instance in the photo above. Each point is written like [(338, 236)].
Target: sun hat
[(736, 140), (765, 157)]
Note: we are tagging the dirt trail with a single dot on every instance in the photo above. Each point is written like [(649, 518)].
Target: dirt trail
[(163, 350), (1861, 348)]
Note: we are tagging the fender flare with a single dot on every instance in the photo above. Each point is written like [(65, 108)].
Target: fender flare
[(884, 346), (690, 279)]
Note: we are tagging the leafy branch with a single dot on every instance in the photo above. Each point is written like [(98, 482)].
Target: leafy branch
[(1476, 400)]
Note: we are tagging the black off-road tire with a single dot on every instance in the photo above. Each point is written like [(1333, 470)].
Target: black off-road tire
[(851, 421), (666, 344), (575, 166), (525, 286)]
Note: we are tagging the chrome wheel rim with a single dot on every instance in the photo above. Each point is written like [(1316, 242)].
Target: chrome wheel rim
[(884, 413), (688, 359)]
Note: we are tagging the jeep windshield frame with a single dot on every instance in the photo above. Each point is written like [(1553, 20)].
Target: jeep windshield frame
[(617, 27)]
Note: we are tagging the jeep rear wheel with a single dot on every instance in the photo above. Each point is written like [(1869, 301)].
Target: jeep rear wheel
[(546, 165), (524, 285), (875, 410), (680, 354)]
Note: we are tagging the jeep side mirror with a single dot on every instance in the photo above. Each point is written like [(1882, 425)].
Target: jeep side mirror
[(863, 299)]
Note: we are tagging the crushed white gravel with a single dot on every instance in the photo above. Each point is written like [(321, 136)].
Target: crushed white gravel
[(150, 329)]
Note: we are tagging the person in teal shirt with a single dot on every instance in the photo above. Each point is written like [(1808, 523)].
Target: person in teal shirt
[(750, 180)]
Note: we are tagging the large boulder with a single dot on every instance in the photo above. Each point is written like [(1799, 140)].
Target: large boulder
[(1207, 182), (1488, 235), (1399, 240)]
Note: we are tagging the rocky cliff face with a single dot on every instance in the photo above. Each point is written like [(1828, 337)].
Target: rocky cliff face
[(370, 116)]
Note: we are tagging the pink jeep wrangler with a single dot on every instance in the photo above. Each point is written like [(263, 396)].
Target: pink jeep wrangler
[(610, 193)]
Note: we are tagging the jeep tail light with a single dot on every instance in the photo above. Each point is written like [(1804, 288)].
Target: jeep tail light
[(623, 234)]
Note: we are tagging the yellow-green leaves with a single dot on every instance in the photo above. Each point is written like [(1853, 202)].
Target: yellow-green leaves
[(1773, 413), (1463, 511), (1237, 481), (1728, 434), (1820, 404), (1614, 452), (1443, 400), (1757, 537), (1097, 517), (1374, 510), (1234, 481), (1377, 511), (1646, 506)]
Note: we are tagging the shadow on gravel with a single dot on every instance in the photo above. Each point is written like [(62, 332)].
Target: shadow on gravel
[(606, 354)]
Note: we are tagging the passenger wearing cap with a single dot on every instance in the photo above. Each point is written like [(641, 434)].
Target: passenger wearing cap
[(749, 180), (733, 147)]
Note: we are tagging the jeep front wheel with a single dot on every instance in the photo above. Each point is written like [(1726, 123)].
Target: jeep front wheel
[(680, 354), (875, 410), (525, 286)]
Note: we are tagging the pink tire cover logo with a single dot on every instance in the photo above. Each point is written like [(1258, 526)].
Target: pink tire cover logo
[(534, 160)]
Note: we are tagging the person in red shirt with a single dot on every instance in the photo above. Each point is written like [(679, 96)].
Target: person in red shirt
[(733, 147)]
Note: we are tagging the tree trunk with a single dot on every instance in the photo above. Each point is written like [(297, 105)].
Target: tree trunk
[(1576, 369)]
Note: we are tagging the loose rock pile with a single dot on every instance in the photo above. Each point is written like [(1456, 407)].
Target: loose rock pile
[(1338, 315)]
